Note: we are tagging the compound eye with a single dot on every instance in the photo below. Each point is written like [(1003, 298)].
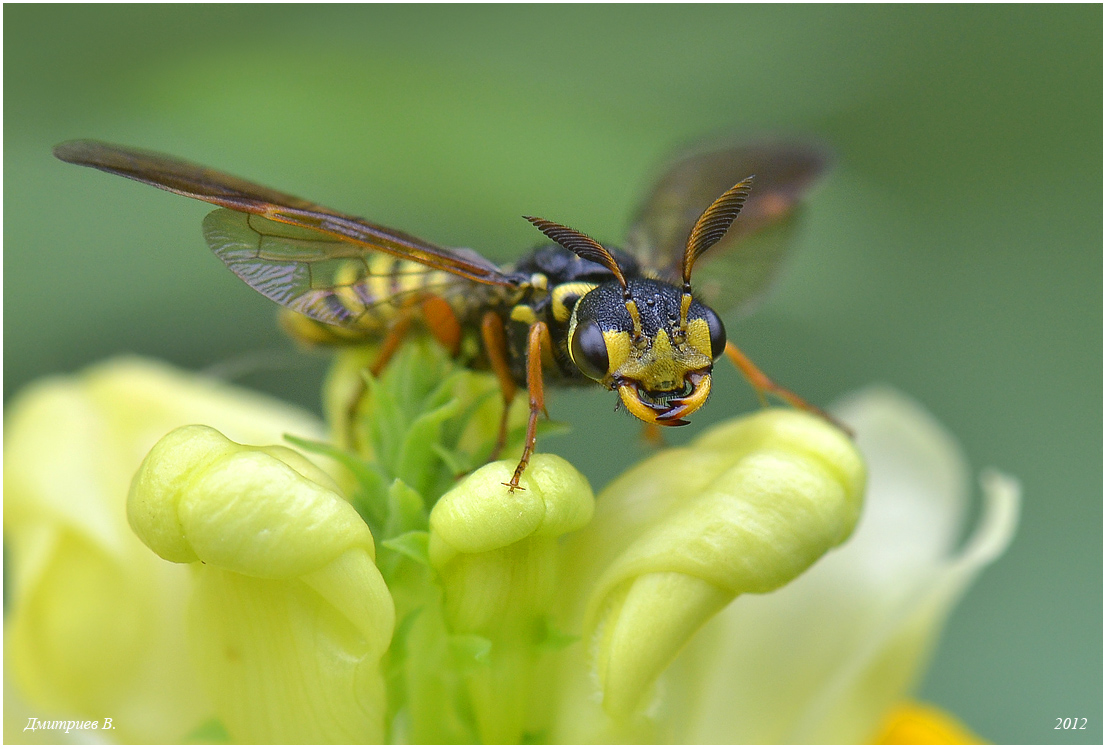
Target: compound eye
[(589, 350), (717, 332)]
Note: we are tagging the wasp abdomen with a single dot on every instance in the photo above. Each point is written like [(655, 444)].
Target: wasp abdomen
[(331, 296)]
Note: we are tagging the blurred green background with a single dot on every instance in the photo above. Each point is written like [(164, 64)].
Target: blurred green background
[(955, 252)]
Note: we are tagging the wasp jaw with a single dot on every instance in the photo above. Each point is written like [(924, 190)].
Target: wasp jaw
[(666, 411)]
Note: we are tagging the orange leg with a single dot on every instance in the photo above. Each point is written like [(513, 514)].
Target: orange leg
[(492, 333), (443, 323), (537, 336), (761, 385), (391, 344), (652, 435), (397, 331)]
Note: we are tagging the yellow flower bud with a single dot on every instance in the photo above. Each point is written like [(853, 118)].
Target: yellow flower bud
[(824, 658), (198, 496), (497, 554), (291, 616), (744, 509), (95, 621)]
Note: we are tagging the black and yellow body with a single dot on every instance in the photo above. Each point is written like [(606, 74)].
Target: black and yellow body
[(573, 312), (576, 299), (551, 280), (558, 281)]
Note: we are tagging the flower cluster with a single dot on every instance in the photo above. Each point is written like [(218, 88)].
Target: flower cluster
[(181, 572)]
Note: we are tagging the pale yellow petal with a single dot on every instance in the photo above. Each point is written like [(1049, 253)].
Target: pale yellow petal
[(291, 616), (744, 509), (96, 620), (824, 659)]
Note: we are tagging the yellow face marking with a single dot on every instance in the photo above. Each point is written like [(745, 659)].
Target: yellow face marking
[(563, 294), (618, 349), (699, 336), (662, 364), (539, 282), (632, 309), (685, 304), (660, 370), (524, 314)]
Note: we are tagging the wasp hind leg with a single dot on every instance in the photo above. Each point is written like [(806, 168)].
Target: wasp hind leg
[(495, 345), (537, 337), (761, 385), (395, 336)]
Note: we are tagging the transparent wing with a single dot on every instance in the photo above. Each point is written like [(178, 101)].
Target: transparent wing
[(328, 279), (196, 181), (737, 271)]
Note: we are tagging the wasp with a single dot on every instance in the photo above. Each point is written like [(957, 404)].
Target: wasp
[(571, 312)]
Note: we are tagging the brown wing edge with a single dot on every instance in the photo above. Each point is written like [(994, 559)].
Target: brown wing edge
[(219, 188)]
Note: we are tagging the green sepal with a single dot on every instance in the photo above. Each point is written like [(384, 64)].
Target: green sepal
[(406, 514), (458, 463), (398, 649), (551, 639), (406, 510), (470, 651), (384, 420)]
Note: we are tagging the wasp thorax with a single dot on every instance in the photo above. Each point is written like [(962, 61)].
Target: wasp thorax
[(638, 342)]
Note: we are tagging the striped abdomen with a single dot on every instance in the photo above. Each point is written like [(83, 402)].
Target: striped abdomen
[(347, 292)]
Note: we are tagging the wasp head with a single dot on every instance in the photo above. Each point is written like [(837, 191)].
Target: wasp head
[(643, 342), (648, 339)]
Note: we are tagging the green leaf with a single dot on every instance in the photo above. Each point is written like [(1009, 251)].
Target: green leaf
[(416, 459), (385, 419), (444, 392), (398, 648), (453, 429), (406, 510), (412, 545)]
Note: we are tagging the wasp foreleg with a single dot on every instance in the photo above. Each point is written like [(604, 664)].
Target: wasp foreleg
[(761, 385), (537, 337)]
